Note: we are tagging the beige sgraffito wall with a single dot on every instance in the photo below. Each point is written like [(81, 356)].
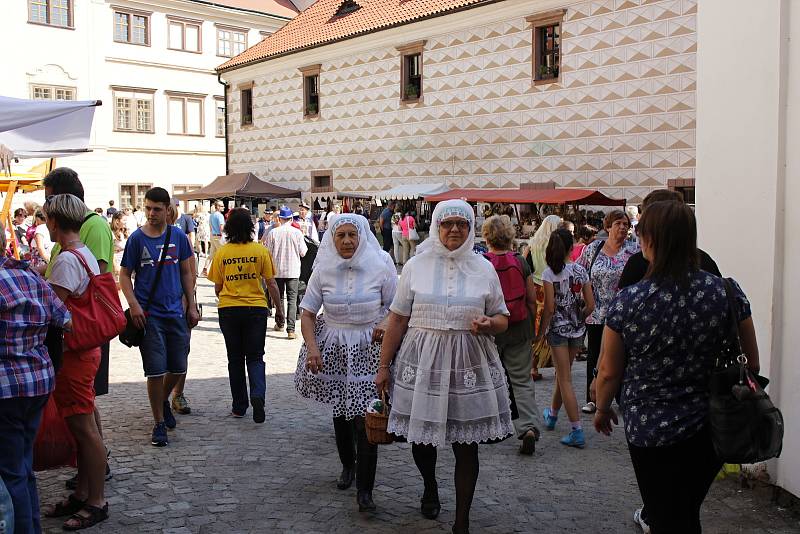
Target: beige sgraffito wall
[(621, 118)]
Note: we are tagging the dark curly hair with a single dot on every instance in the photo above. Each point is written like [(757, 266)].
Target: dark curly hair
[(239, 227)]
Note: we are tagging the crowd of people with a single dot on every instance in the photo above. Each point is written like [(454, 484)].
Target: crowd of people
[(454, 343)]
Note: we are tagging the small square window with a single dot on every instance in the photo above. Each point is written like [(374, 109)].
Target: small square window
[(321, 181), (247, 106)]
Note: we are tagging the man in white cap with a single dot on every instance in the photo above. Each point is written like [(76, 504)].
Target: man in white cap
[(307, 223), (287, 247)]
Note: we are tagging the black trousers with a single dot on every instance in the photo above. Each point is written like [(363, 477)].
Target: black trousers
[(594, 336), (244, 329), (355, 449), (388, 244), (674, 481)]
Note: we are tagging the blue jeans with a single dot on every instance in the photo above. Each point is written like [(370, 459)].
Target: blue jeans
[(19, 422), (245, 330), (165, 346)]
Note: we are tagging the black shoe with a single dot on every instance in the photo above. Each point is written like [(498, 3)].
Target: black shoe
[(528, 446), (169, 419), (159, 437), (347, 477), (258, 410), (364, 500), (430, 506)]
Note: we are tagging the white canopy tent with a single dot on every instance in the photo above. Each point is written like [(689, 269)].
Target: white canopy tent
[(412, 191), (44, 128)]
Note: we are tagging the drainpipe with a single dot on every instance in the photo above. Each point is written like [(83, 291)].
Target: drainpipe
[(225, 96)]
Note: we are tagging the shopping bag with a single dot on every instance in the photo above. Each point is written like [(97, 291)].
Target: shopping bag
[(54, 446)]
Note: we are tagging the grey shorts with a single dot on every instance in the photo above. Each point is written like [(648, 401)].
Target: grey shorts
[(554, 340)]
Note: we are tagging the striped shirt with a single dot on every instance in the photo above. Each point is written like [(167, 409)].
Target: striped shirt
[(27, 306)]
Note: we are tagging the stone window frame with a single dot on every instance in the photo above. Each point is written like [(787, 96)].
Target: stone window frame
[(217, 100), (307, 72), (145, 186), (232, 29), (185, 22), (185, 97), (48, 3), (539, 21), (147, 15), (407, 50), (321, 188), (242, 88), (52, 90), (133, 108)]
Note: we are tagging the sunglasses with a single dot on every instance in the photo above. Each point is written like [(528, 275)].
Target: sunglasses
[(448, 225)]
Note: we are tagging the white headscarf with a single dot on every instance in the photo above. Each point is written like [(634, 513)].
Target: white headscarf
[(466, 260), (542, 235), (368, 255)]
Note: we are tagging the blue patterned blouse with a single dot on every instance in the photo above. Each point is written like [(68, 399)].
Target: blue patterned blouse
[(672, 336)]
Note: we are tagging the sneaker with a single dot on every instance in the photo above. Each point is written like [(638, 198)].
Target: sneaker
[(258, 410), (574, 439), (589, 407), (549, 419), (236, 415), (159, 438), (169, 419), (637, 518), (180, 404), (291, 335)]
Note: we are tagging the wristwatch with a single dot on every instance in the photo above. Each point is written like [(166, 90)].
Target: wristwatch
[(594, 372)]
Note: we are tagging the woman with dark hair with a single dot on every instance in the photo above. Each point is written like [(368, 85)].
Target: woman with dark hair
[(663, 358), (237, 270), (585, 235), (604, 260), (568, 301)]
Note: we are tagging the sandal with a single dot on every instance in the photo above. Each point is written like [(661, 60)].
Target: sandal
[(65, 508), (80, 521)]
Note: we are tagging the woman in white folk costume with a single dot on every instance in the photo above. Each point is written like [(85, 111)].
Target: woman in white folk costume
[(448, 385), (354, 280)]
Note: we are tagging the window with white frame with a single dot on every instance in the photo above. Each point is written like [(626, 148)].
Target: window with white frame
[(185, 114), (231, 41), (51, 12), (52, 92), (132, 195), (185, 35), (219, 116), (132, 27), (133, 110)]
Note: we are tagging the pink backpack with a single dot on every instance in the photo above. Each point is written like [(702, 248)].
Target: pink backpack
[(512, 280)]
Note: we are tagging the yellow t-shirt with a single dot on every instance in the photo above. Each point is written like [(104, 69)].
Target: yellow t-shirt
[(239, 268)]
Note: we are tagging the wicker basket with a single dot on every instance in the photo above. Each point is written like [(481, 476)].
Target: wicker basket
[(376, 425)]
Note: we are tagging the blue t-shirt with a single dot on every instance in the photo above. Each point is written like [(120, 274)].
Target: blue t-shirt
[(141, 256), (216, 221), (672, 336)]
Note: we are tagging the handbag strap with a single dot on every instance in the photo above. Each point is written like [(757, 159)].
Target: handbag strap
[(594, 256), (83, 262), (158, 268), (733, 331)]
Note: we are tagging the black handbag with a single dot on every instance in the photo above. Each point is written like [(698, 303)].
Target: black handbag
[(132, 335), (745, 426)]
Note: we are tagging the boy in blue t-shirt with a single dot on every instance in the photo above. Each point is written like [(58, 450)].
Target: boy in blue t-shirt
[(165, 345)]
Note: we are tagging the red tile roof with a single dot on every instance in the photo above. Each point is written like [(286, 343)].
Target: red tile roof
[(317, 25)]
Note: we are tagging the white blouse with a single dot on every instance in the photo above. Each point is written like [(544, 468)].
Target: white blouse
[(352, 297), (437, 295)]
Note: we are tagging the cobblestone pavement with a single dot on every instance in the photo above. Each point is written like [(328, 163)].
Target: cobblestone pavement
[(227, 475)]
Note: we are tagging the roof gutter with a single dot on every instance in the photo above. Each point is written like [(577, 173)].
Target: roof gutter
[(360, 34), (225, 97), (243, 9)]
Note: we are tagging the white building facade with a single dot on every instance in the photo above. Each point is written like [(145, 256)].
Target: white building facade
[(151, 62), (614, 110)]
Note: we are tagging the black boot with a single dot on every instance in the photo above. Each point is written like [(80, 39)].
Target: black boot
[(429, 505), (365, 467), (346, 448)]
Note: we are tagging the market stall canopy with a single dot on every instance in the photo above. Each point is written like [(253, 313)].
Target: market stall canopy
[(245, 185), (412, 191), (585, 197), (45, 128)]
